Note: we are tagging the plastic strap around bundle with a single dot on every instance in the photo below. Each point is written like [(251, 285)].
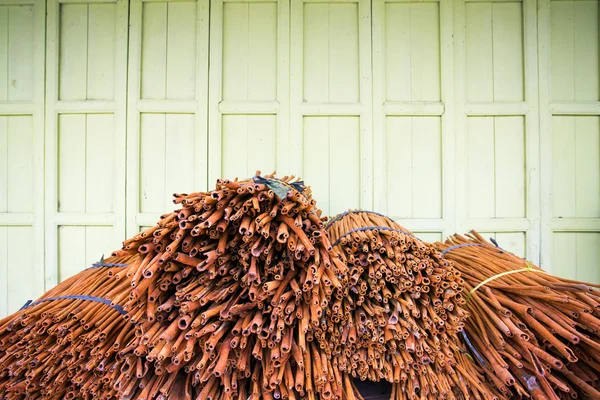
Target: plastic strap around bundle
[(460, 246), (102, 265), (342, 215), (472, 348), (529, 267), (117, 307), (370, 228)]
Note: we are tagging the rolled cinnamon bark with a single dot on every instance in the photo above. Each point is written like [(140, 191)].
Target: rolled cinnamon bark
[(535, 332), (403, 313)]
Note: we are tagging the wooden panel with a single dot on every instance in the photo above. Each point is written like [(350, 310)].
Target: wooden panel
[(167, 159), (332, 151), (181, 55), (17, 267), (510, 241), (101, 51), (86, 165), (21, 153), (249, 144), (495, 167), (576, 255), (81, 246), (576, 167), (414, 171), (73, 50), (494, 52), (87, 45), (153, 66), (16, 53), (249, 88), (412, 52), (168, 64), (250, 51), (574, 55), (16, 164), (331, 52), (4, 53)]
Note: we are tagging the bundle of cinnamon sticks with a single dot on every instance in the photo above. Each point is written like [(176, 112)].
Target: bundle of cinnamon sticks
[(533, 333), (228, 295), (403, 312)]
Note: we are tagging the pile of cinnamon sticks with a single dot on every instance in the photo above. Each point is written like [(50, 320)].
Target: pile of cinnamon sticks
[(244, 293), (225, 298), (403, 312), (533, 333)]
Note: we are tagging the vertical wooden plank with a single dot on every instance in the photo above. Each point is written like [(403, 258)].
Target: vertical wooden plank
[(152, 163), (39, 27), (181, 54), (51, 148), (235, 137), (344, 164), (561, 32), (236, 53), (399, 162), (73, 42), (71, 250), (479, 52), (101, 55), (585, 43), (99, 167), (20, 53), (365, 97), (179, 156), (532, 131), (202, 82), (507, 44), (545, 134), (283, 86), (427, 159), (425, 49), (343, 53), (261, 144), (316, 42), (71, 163), (448, 133), (133, 167), (564, 169), (587, 161), (588, 256), (316, 146), (397, 54), (120, 119), (154, 50), (460, 121), (381, 91), (509, 144), (481, 162), (21, 274), (215, 92), (564, 255), (297, 60), (4, 150), (3, 53), (20, 164), (262, 49)]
